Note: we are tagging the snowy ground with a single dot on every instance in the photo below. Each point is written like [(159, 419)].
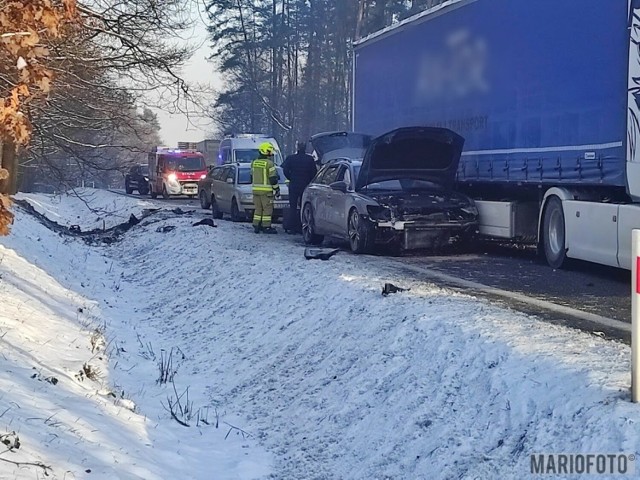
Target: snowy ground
[(306, 369), (86, 207)]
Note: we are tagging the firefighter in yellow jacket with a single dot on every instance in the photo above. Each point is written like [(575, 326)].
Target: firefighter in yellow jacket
[(265, 188)]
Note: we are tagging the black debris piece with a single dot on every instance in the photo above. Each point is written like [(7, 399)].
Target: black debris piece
[(205, 221), (165, 229), (391, 288), (75, 228), (133, 220), (179, 211), (320, 253)]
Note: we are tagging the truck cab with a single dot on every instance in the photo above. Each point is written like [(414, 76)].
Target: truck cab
[(175, 172)]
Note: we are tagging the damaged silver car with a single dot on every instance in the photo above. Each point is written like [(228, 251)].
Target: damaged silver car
[(400, 195)]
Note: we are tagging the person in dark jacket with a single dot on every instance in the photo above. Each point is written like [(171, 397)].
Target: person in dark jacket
[(300, 170)]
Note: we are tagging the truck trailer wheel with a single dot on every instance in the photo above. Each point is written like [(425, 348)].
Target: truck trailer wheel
[(553, 233)]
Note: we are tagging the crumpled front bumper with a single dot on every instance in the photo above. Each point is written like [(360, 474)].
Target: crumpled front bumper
[(415, 235)]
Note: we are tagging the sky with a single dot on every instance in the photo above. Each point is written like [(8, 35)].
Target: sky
[(179, 127)]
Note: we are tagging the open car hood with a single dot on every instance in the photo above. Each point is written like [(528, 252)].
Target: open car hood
[(326, 142), (422, 153), (354, 154)]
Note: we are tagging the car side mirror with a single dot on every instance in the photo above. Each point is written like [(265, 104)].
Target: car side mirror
[(339, 186), (230, 180)]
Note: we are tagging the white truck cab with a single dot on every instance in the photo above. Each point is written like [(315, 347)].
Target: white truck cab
[(243, 148)]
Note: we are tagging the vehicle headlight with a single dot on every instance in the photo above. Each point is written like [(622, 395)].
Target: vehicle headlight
[(203, 176), (379, 213), (246, 197), (172, 177), (146, 179)]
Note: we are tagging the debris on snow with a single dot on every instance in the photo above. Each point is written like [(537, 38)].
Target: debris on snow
[(205, 221), (391, 288), (320, 253)]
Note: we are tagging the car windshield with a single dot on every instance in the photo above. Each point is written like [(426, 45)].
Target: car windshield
[(339, 141), (249, 155), (246, 156), (186, 164), (404, 184), (144, 170), (244, 176)]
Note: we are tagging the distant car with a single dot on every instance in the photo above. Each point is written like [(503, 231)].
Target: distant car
[(227, 189), (137, 179), (328, 146), (400, 195)]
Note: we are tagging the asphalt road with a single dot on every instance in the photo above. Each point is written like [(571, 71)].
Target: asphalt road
[(583, 286)]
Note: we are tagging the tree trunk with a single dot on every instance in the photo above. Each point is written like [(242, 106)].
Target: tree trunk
[(360, 19), (9, 163)]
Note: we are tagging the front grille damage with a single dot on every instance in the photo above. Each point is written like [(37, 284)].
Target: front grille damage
[(418, 221)]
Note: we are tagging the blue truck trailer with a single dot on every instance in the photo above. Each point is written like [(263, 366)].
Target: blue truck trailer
[(547, 96)]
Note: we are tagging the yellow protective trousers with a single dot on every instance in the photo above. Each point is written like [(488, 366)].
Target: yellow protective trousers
[(263, 202)]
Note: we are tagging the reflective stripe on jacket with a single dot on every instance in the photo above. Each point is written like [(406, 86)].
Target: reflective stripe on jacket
[(264, 175)]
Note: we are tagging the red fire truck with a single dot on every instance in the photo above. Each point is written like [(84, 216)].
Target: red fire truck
[(175, 171)]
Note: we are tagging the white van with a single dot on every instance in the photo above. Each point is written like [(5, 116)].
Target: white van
[(243, 148)]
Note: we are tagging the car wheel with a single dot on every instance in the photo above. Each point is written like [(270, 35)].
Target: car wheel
[(204, 202), (215, 210), (143, 191), (165, 194), (236, 216), (553, 235), (309, 234), (128, 189), (360, 233)]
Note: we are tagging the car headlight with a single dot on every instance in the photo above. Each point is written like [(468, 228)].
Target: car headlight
[(146, 179), (379, 213), (203, 176), (246, 197), (172, 177)]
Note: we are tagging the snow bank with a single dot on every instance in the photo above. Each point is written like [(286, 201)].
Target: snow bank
[(87, 207), (309, 360), (60, 393)]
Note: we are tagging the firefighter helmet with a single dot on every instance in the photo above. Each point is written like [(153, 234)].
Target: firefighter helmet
[(266, 149)]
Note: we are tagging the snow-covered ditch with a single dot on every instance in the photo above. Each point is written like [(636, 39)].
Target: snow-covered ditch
[(294, 368)]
